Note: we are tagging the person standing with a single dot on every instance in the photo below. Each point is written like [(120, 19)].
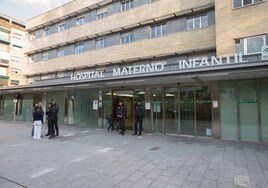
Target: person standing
[(138, 113), (48, 113), (37, 118), (52, 114), (55, 111), (121, 113), (38, 105)]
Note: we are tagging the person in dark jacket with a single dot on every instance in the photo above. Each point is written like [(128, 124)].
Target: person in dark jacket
[(55, 111), (38, 105), (37, 122), (138, 114), (52, 116), (121, 113), (48, 113)]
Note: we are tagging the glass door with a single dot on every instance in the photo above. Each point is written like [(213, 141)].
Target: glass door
[(195, 111), (157, 109), (70, 107), (107, 108), (203, 111), (187, 111), (171, 111), (127, 96)]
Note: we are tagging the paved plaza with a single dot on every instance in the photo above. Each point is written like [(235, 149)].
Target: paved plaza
[(82, 157)]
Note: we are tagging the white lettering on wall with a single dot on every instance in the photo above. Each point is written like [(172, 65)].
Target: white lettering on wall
[(87, 75), (158, 67), (138, 69), (213, 61)]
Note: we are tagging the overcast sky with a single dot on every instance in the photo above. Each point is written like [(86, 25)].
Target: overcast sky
[(25, 9)]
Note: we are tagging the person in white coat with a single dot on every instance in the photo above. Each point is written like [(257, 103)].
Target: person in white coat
[(37, 118)]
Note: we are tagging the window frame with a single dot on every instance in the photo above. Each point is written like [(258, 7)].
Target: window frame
[(253, 2), (154, 28), (32, 36), (15, 59), (124, 4), (45, 56), (79, 48), (31, 59), (82, 18), (123, 36), (15, 70), (245, 42), (192, 20), (60, 28), (60, 52), (17, 36), (46, 32), (101, 13), (101, 43)]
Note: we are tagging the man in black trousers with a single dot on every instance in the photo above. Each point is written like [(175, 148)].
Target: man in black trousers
[(55, 111), (52, 115), (138, 113), (121, 113), (48, 113)]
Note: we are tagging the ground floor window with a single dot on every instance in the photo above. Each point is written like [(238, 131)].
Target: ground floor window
[(243, 108)]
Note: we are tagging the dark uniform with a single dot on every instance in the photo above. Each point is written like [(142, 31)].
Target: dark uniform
[(49, 117), (121, 113), (52, 117), (138, 113)]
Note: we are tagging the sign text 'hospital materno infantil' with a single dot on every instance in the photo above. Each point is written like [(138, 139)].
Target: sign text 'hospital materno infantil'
[(158, 67)]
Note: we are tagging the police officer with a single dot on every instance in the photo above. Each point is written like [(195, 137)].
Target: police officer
[(55, 111), (52, 116), (121, 113), (48, 113), (138, 113)]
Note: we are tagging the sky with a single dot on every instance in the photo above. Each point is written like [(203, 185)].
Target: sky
[(23, 10)]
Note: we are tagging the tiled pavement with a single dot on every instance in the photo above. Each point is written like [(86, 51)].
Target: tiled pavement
[(82, 157)]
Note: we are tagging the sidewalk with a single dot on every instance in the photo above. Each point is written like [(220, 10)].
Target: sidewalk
[(82, 157)]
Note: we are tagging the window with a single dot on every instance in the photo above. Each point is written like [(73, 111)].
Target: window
[(31, 59), (126, 38), (62, 27), (250, 45), (46, 31), (44, 77), (127, 4), (60, 52), (15, 59), (15, 70), (59, 74), (30, 80), (16, 36), (4, 36), (44, 56), (3, 71), (32, 36), (79, 48), (80, 20), (101, 13), (241, 3), (197, 22), (158, 30), (101, 43)]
